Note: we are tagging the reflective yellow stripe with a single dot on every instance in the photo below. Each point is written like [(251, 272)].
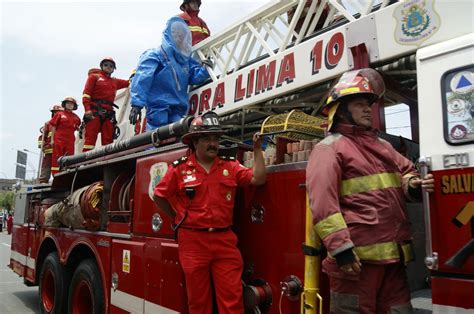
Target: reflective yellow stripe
[(89, 146), (369, 183), (55, 168), (330, 225), (50, 134), (198, 29), (86, 96), (408, 252), (48, 151), (349, 90), (384, 251)]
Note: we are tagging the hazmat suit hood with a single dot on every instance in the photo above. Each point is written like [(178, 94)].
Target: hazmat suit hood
[(177, 40)]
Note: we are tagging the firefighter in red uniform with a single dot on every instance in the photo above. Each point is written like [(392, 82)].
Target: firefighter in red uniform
[(63, 125), (197, 26), (198, 193), (357, 185), (9, 224), (98, 99), (44, 144)]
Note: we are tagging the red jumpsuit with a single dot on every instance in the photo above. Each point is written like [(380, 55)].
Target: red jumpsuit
[(357, 184), (65, 122), (207, 255), (98, 97), (47, 149), (9, 224), (197, 26)]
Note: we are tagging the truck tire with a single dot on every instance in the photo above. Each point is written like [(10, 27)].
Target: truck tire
[(86, 295), (53, 285)]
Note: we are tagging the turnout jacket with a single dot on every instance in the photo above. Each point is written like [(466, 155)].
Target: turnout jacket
[(357, 184), (197, 26), (44, 141)]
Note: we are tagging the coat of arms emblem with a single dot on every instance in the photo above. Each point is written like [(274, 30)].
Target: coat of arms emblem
[(417, 21)]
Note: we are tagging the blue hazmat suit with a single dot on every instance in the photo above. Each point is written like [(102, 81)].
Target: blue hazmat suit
[(164, 74)]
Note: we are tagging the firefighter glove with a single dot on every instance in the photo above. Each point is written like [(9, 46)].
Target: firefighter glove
[(88, 116), (135, 115), (208, 62)]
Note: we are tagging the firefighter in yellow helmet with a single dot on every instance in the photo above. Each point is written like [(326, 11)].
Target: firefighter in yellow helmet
[(44, 143), (357, 185)]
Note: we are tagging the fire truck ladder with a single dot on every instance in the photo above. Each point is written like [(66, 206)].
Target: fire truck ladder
[(268, 32)]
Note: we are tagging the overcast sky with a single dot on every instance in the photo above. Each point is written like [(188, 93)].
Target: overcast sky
[(46, 49)]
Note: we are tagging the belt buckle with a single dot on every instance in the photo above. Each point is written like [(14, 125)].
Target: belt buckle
[(102, 111), (211, 229)]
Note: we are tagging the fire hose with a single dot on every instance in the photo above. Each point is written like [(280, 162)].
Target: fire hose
[(91, 202)]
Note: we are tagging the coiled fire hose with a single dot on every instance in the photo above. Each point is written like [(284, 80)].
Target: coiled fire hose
[(91, 202)]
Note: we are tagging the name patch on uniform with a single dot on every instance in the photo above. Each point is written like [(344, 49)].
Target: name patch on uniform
[(189, 178)]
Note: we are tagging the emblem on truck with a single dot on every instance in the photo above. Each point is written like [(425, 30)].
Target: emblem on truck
[(417, 21), (157, 171)]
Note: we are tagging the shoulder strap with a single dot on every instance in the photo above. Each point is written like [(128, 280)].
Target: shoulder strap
[(178, 162), (228, 158)]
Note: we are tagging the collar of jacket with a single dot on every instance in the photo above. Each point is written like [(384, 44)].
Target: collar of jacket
[(192, 13), (192, 160), (350, 129), (103, 73)]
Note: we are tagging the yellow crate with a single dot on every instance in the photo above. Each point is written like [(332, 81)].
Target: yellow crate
[(295, 125)]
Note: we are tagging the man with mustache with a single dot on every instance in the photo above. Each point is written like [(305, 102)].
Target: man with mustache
[(198, 193), (357, 184)]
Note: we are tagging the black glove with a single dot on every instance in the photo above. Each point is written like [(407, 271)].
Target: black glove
[(87, 117), (135, 115), (81, 130), (209, 63)]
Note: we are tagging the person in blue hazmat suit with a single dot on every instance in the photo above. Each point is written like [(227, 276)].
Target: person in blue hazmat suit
[(162, 77)]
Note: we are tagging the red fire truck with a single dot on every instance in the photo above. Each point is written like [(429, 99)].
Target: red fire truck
[(125, 259)]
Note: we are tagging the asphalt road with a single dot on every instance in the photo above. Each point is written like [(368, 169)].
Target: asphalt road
[(15, 297)]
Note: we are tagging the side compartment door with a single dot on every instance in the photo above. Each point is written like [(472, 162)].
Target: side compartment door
[(127, 286), (446, 111), (19, 245), (165, 287)]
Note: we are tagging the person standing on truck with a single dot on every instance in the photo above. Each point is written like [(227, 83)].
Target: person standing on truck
[(163, 75), (46, 147), (198, 193), (98, 100), (357, 184), (63, 124), (197, 26)]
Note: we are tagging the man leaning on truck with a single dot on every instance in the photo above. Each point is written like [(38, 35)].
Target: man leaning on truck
[(198, 192)]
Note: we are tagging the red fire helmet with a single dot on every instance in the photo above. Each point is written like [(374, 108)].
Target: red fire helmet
[(207, 124)]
